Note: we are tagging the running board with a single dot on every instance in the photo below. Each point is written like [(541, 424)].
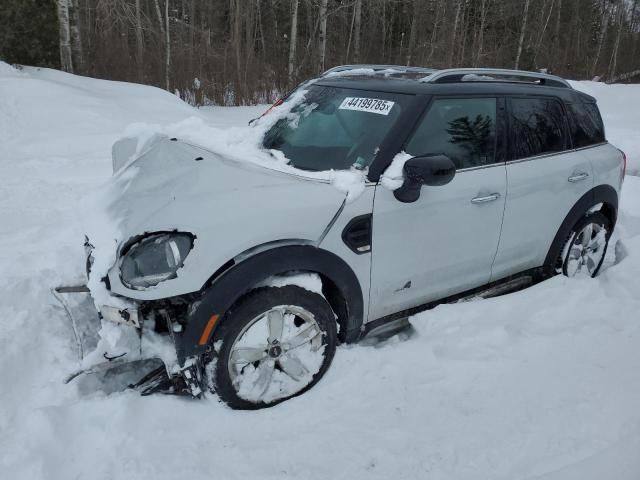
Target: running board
[(509, 286)]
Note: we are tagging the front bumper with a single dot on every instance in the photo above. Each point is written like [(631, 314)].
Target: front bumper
[(126, 316)]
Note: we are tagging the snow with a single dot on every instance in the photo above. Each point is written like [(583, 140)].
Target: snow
[(393, 176), (620, 114), (540, 384), (308, 281)]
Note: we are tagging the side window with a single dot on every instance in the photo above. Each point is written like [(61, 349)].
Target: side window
[(536, 126), (586, 124), (464, 129)]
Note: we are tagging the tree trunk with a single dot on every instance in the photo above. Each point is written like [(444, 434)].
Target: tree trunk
[(614, 55), (66, 58), (322, 39), (167, 60), (522, 30), (603, 33), (484, 7), (541, 36), (139, 43), (434, 32), (454, 33), (556, 36), (358, 20), (413, 32), (76, 39), (293, 39)]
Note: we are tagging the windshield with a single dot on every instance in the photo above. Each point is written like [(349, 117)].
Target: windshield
[(335, 128)]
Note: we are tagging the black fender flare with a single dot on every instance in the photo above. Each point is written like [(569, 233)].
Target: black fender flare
[(604, 194), (209, 309)]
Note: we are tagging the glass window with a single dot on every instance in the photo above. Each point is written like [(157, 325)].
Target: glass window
[(536, 126), (335, 128), (586, 124), (463, 129)]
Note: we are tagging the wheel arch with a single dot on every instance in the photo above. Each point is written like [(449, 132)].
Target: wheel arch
[(605, 195), (341, 288)]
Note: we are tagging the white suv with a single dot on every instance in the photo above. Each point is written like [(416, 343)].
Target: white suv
[(470, 177)]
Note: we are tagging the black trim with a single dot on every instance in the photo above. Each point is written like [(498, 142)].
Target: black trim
[(605, 194), (566, 131), (357, 234), (242, 277), (397, 137), (534, 273)]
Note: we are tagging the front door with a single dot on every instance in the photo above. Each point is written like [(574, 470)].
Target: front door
[(446, 241)]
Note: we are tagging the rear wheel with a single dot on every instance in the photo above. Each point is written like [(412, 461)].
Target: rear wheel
[(586, 247), (276, 343)]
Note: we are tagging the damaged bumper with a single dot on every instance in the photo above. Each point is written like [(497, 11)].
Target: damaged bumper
[(132, 347), (126, 316)]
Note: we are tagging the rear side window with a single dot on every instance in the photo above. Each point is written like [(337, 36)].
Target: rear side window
[(463, 129), (586, 124), (536, 127)]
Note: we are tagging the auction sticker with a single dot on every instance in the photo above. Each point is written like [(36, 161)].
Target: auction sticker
[(363, 104)]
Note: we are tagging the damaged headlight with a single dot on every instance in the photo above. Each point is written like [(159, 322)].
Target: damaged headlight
[(154, 259)]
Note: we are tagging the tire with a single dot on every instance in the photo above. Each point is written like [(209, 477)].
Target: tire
[(260, 359), (586, 246)]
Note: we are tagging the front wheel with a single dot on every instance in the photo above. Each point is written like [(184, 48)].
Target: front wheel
[(276, 343), (586, 246)]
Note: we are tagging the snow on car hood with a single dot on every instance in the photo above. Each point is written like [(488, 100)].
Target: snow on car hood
[(229, 205)]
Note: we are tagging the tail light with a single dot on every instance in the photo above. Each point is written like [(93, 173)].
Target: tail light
[(624, 163)]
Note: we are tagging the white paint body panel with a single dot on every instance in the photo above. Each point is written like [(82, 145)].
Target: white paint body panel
[(539, 198), (229, 206), (442, 243)]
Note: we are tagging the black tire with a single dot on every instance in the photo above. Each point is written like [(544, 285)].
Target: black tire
[(597, 218), (238, 318)]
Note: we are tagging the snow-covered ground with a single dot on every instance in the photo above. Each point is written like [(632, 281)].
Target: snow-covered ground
[(540, 384)]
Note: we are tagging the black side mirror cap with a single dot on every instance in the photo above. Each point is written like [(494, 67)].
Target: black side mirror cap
[(430, 170)]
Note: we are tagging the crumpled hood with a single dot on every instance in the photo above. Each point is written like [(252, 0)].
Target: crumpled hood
[(230, 206)]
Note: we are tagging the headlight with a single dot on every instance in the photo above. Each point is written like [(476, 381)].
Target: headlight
[(154, 259)]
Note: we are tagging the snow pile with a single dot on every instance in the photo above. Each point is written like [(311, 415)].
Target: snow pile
[(539, 384), (393, 176)]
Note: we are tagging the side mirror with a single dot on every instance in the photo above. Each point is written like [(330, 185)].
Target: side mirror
[(431, 170)]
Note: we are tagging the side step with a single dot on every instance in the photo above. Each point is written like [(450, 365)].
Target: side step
[(386, 330), (509, 286)]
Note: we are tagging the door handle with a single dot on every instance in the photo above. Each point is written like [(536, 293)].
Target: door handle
[(487, 198), (576, 177)]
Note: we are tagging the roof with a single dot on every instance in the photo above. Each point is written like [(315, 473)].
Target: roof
[(458, 81)]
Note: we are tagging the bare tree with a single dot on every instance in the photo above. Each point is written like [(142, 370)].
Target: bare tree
[(66, 57), (293, 39), (454, 33), (357, 15), (619, 25), (484, 7), (522, 30), (139, 43), (247, 51), (322, 39), (603, 33)]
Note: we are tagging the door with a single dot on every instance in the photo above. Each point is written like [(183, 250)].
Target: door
[(545, 180), (446, 241)]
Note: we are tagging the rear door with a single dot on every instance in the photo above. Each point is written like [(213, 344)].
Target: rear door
[(446, 241), (545, 178)]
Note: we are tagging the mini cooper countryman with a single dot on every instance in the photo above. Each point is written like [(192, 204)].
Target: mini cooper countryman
[(470, 179)]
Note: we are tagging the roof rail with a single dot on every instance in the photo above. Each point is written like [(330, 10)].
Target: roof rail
[(495, 75), (398, 69)]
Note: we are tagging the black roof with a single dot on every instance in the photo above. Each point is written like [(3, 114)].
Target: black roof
[(412, 82)]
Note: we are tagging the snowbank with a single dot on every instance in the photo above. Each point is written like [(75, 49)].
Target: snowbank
[(539, 384), (619, 108)]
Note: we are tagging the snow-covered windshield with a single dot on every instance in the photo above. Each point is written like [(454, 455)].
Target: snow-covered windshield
[(335, 128)]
